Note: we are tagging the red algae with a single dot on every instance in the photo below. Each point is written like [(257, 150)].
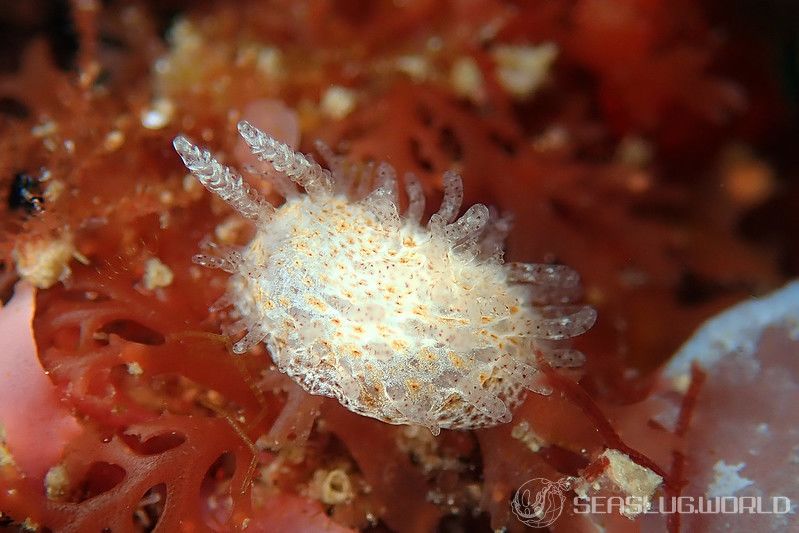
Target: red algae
[(573, 117)]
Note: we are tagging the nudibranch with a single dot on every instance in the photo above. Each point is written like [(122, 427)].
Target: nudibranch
[(403, 322)]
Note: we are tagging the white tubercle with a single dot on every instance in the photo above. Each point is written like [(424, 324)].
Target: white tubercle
[(406, 323)]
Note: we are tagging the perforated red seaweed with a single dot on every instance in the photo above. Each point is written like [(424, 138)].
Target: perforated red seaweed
[(160, 398)]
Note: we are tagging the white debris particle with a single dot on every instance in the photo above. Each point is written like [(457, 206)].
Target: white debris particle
[(44, 129), (44, 262), (192, 187), (53, 190), (184, 35), (555, 137), (490, 30), (195, 273), (338, 102), (523, 432), (166, 197), (135, 369), (726, 481), (156, 274), (270, 62), (745, 178), (634, 151), (158, 115), (581, 489), (80, 258), (522, 69), (415, 66), (632, 479), (681, 383), (331, 487), (420, 444), (6, 459), (56, 482), (467, 79), (114, 140), (230, 230), (246, 55)]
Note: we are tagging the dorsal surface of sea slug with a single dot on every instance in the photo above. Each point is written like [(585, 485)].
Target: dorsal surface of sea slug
[(400, 321)]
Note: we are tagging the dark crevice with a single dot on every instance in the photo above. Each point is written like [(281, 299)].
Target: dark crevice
[(150, 508), (25, 193), (13, 108), (450, 144), (154, 445), (508, 147), (694, 289), (100, 478), (133, 331), (424, 163)]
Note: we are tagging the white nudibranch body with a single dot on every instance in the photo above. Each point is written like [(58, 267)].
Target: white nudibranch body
[(399, 321)]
